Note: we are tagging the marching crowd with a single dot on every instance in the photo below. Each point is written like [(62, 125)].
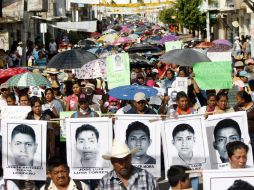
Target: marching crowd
[(67, 93)]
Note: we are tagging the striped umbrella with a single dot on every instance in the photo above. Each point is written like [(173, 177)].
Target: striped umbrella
[(28, 79)]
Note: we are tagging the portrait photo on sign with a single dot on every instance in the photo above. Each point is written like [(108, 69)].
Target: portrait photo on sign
[(140, 133), (225, 128), (118, 62), (185, 143), (24, 146), (240, 179), (87, 139)]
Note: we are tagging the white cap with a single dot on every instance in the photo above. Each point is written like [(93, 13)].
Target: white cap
[(139, 96)]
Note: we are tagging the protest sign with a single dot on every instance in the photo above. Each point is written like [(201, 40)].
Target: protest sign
[(118, 70), (233, 126), (219, 56), (63, 116), (235, 179), (87, 139), (185, 142), (139, 132), (21, 161), (173, 45), (213, 75)]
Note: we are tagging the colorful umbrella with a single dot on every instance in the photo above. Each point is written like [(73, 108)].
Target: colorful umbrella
[(205, 45), (95, 34), (122, 40), (28, 79), (110, 31), (91, 70), (219, 48), (223, 42), (108, 38), (5, 74), (125, 29), (133, 37), (168, 38), (127, 92)]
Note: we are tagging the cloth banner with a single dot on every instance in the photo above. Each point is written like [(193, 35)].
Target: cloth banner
[(173, 45), (213, 75), (224, 128), (24, 149), (132, 130), (185, 143), (87, 139), (118, 70)]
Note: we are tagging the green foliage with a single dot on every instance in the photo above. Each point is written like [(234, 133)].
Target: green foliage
[(168, 16), (189, 15)]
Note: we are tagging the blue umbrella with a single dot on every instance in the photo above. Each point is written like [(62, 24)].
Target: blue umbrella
[(127, 92)]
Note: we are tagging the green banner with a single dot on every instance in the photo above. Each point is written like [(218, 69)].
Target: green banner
[(173, 45), (63, 116), (118, 70), (213, 75)]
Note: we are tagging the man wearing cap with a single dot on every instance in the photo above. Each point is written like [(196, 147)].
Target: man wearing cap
[(139, 105), (239, 66), (242, 83), (124, 175)]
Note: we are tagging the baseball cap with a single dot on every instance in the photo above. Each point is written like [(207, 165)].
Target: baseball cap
[(244, 74), (139, 96)]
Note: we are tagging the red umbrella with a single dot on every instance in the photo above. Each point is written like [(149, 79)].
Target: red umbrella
[(5, 74)]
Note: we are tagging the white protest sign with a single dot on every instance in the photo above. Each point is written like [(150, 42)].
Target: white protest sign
[(219, 56), (21, 161)]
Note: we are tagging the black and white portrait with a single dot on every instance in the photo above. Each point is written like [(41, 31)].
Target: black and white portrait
[(222, 129), (139, 132), (87, 139), (234, 179), (185, 143), (23, 145), (118, 62)]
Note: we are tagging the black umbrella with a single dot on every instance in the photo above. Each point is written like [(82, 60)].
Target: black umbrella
[(138, 61), (71, 59), (142, 48), (184, 57)]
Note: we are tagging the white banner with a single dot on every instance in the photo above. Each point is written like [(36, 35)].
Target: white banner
[(87, 139), (138, 132), (24, 149)]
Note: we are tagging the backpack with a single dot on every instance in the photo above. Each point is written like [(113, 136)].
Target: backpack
[(77, 182)]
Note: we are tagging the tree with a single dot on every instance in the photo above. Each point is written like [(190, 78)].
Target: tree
[(189, 14), (168, 16)]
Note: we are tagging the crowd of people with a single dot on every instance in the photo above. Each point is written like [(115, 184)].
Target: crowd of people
[(67, 93)]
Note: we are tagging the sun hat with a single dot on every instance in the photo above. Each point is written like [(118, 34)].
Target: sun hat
[(4, 85), (52, 71), (139, 96), (90, 85), (36, 71), (249, 61), (239, 64), (119, 150)]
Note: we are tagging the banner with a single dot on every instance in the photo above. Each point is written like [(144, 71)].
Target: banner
[(63, 116), (87, 139), (139, 132), (213, 75), (185, 142), (118, 70), (24, 149), (234, 179), (224, 128), (173, 45)]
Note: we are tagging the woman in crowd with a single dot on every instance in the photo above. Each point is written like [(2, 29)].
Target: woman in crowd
[(51, 103), (211, 104), (222, 104), (72, 100), (183, 107), (244, 103)]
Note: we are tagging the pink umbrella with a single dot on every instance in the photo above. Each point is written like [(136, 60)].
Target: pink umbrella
[(125, 29)]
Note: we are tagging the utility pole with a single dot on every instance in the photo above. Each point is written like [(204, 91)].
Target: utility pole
[(208, 32), (26, 21)]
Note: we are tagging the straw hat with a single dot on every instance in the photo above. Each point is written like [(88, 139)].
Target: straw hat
[(37, 71), (119, 150), (4, 85), (52, 71)]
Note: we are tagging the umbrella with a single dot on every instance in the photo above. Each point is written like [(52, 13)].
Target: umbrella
[(110, 31), (219, 48), (108, 38), (71, 59), (222, 41), (125, 29), (127, 92), (5, 74), (138, 61), (28, 79), (168, 38), (143, 48), (184, 57), (205, 45), (91, 70), (133, 37), (121, 40), (95, 34), (89, 42)]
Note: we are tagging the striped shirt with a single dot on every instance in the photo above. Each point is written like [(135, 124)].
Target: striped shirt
[(139, 180)]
